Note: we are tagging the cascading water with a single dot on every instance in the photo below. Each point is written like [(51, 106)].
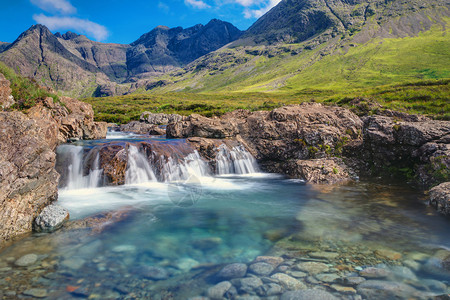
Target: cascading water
[(167, 162), (138, 168), (76, 179), (191, 165), (235, 161)]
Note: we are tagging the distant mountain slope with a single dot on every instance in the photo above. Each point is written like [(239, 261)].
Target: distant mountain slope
[(3, 46), (73, 64), (164, 49), (330, 44)]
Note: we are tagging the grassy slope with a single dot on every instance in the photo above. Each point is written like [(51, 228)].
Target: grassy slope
[(409, 74), (25, 91)]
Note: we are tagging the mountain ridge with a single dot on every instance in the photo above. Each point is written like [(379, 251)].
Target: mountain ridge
[(293, 46), (74, 64)]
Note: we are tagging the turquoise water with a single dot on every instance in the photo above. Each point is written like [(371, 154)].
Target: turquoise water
[(183, 232)]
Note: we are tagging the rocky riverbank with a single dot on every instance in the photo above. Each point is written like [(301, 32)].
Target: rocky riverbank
[(27, 166), (323, 144)]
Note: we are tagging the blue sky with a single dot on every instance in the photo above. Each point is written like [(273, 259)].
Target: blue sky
[(118, 21)]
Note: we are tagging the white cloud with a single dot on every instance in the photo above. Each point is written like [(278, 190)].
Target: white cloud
[(256, 13), (197, 4), (99, 32), (164, 7), (60, 6), (247, 3)]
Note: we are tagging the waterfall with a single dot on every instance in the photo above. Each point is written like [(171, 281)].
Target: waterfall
[(80, 167), (192, 164), (138, 167), (235, 161), (74, 155)]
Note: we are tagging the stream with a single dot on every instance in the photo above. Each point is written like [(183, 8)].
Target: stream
[(174, 224)]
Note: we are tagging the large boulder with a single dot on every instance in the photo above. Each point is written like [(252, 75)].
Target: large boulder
[(27, 174), (395, 144), (28, 179), (440, 198)]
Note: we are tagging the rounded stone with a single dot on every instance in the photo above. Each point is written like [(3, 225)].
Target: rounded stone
[(288, 282), (261, 268), (51, 218), (312, 267), (372, 272), (36, 293), (235, 270), (26, 260), (218, 291)]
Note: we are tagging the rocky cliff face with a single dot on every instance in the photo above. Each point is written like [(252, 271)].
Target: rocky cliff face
[(294, 21), (28, 179), (164, 49)]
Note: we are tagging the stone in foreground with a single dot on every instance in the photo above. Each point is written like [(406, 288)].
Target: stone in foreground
[(51, 218)]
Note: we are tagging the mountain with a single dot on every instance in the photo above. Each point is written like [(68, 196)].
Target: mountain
[(3, 46), (77, 66), (332, 45), (164, 49)]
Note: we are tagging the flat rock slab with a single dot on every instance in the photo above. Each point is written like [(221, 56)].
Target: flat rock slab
[(312, 267)]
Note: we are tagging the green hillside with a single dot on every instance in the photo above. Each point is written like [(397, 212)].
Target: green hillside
[(337, 65)]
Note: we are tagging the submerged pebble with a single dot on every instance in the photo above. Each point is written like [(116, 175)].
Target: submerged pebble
[(26, 260)]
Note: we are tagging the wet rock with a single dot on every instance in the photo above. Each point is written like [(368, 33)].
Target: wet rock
[(270, 289), (388, 254), (373, 272), (400, 272), (353, 281), (261, 268), (245, 297), (324, 255), (51, 218), (308, 295), (218, 291), (124, 248), (36, 293), (440, 198), (343, 289), (73, 263), (297, 274), (151, 272), (327, 277), (412, 264), (312, 267), (288, 282), (275, 261), (320, 171), (235, 270), (207, 243), (434, 285), (186, 264), (380, 289), (439, 263), (142, 128), (26, 260), (249, 284)]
